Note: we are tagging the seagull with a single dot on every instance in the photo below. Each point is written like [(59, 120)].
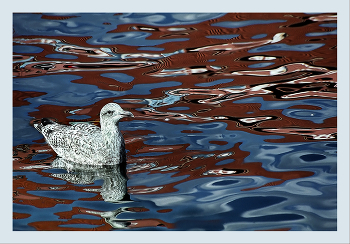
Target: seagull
[(86, 143)]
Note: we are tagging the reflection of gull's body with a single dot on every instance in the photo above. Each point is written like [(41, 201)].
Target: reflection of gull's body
[(86, 143), (114, 186)]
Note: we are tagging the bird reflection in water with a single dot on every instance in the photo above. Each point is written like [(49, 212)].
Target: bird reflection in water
[(114, 187)]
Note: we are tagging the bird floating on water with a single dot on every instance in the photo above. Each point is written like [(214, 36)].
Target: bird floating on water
[(87, 143)]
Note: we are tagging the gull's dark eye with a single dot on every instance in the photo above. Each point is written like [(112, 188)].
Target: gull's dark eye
[(109, 112)]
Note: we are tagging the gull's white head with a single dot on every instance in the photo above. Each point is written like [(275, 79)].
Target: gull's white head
[(113, 112)]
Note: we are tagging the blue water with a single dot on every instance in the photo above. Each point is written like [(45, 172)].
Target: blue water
[(178, 142)]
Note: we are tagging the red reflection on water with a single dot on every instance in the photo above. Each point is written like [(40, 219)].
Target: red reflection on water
[(293, 76), (20, 215), (19, 97)]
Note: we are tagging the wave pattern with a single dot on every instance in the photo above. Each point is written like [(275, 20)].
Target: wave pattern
[(235, 124)]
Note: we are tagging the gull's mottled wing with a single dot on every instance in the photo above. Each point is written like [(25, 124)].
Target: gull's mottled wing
[(74, 142)]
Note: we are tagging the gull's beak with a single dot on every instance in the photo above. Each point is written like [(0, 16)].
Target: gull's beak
[(127, 114)]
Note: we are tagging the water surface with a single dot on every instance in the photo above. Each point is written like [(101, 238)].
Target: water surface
[(235, 122)]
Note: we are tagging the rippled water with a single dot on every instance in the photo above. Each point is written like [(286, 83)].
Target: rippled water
[(235, 122)]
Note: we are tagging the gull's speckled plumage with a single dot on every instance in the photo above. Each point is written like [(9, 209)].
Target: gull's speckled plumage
[(86, 143)]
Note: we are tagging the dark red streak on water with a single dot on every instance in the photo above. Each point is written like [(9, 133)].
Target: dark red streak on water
[(310, 74)]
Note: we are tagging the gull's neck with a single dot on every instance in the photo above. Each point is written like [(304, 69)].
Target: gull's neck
[(111, 134)]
